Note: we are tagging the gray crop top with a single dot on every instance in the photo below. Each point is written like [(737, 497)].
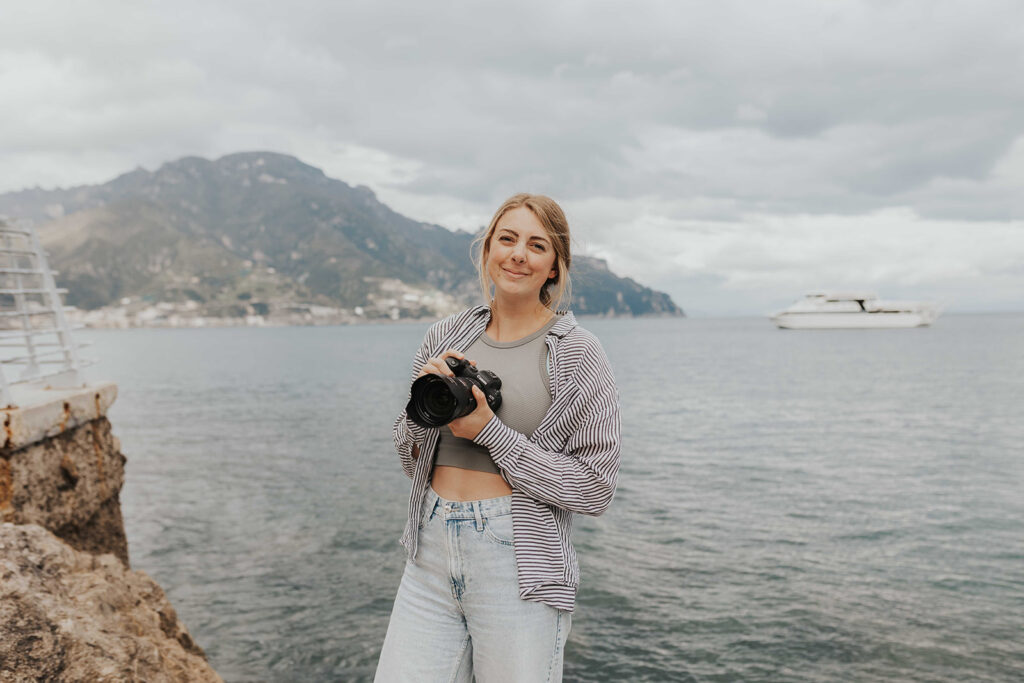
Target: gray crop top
[(525, 394)]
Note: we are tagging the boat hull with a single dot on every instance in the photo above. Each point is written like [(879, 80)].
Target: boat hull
[(846, 321)]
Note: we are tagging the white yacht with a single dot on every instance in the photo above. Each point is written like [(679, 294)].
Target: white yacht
[(832, 310)]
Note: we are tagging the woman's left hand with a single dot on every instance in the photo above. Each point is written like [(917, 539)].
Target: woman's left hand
[(468, 426)]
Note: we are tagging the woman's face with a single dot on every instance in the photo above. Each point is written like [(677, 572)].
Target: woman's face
[(521, 257)]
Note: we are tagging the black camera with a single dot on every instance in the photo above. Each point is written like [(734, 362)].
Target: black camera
[(437, 400)]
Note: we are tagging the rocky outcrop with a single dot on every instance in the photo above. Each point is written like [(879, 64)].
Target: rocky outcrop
[(68, 615), (62, 468), (71, 609)]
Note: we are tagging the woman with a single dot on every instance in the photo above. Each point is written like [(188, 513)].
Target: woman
[(490, 582)]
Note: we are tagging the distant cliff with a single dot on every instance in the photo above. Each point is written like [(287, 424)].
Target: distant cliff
[(263, 234)]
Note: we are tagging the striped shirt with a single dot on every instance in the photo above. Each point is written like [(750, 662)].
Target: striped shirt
[(570, 463)]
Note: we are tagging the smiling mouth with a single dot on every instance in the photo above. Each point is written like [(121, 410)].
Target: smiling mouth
[(513, 273)]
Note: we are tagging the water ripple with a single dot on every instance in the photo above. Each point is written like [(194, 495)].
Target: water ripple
[(834, 506)]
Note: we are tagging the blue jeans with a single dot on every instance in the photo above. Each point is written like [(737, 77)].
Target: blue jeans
[(458, 614)]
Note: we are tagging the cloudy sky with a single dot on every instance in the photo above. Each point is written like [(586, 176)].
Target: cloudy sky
[(733, 154)]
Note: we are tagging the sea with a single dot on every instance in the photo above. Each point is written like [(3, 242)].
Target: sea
[(834, 505)]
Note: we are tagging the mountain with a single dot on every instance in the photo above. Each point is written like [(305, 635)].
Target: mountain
[(259, 233)]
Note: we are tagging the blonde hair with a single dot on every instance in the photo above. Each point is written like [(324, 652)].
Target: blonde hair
[(557, 290)]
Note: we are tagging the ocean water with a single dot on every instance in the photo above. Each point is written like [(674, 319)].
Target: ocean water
[(792, 506)]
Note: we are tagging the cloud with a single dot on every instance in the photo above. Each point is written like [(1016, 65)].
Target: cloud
[(735, 122), (759, 262)]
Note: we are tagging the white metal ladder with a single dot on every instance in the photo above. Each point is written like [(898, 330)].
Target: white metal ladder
[(35, 336)]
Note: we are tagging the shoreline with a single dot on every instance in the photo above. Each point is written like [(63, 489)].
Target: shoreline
[(208, 323), (216, 323)]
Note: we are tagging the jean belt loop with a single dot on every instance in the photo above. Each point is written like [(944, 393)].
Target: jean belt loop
[(476, 512)]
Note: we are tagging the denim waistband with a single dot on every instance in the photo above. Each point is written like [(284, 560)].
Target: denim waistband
[(465, 509)]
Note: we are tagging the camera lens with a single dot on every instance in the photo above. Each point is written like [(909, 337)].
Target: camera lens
[(438, 401), (435, 401)]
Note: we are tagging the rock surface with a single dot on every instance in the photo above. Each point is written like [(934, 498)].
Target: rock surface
[(69, 483), (68, 615)]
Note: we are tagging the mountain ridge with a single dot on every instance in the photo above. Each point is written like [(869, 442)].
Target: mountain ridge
[(266, 228)]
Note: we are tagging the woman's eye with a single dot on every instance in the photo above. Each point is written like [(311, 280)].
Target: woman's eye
[(505, 237), (539, 246)]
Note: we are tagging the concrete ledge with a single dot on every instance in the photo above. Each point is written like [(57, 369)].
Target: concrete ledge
[(42, 413)]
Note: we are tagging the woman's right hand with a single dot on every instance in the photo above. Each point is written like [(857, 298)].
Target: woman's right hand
[(437, 366)]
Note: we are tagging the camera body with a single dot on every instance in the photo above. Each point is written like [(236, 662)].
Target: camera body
[(437, 400)]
